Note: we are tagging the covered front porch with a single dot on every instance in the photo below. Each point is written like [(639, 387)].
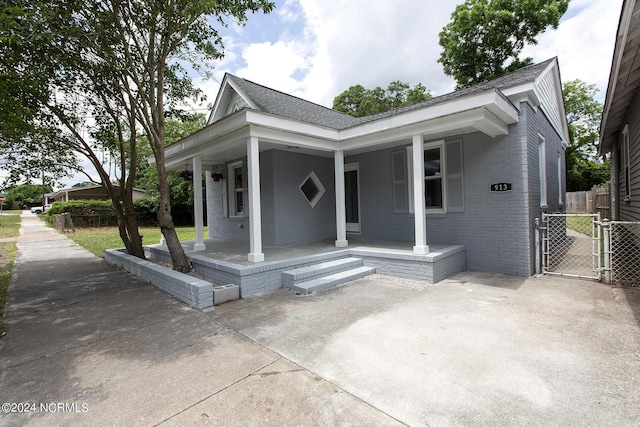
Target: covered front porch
[(281, 170), (225, 262)]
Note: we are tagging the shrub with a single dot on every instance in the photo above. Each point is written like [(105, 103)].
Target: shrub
[(83, 207)]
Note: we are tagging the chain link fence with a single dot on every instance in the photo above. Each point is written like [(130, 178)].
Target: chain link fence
[(625, 253), (581, 245), (571, 245)]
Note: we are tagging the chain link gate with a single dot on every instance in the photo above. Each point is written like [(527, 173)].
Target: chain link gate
[(570, 245)]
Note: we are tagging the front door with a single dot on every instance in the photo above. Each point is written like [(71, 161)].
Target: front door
[(352, 196)]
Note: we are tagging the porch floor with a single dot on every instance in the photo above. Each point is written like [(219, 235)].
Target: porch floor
[(225, 262), (236, 252)]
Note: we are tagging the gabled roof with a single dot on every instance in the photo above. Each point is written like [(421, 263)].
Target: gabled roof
[(624, 79), (244, 108), (281, 104), (519, 77), (274, 102)]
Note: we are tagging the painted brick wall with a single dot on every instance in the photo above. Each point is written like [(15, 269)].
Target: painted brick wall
[(219, 226), (295, 220), (537, 125), (495, 228), (287, 217)]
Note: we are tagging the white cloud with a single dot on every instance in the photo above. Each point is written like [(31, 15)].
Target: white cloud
[(316, 49), (276, 62), (583, 42), (373, 42)]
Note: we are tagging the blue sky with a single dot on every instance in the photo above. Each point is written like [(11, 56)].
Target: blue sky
[(316, 49)]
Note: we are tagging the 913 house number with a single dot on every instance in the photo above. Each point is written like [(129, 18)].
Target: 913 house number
[(500, 187)]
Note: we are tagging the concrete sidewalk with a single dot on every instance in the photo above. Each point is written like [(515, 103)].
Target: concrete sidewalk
[(96, 346)]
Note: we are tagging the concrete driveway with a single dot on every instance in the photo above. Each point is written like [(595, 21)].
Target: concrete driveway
[(91, 345), (478, 349)]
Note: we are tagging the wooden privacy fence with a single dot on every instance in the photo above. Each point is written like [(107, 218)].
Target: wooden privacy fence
[(597, 200)]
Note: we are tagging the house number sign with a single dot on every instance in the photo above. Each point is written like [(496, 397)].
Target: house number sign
[(500, 187)]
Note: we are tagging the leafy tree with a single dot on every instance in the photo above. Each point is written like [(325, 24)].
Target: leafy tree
[(58, 99), (584, 112), (358, 101), (25, 135), (485, 37), (181, 189), (124, 62), (27, 195), (83, 184)]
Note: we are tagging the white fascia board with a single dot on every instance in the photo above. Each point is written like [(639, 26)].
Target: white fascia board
[(242, 94), (194, 141), (491, 125), (290, 138), (250, 123), (553, 68), (493, 99), (221, 144), (218, 100), (265, 120), (224, 96), (523, 93), (479, 119), (504, 109)]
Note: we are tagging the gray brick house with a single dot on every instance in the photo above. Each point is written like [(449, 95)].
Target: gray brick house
[(472, 168)]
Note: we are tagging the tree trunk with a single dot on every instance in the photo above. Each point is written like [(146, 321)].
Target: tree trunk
[(127, 219), (130, 218), (179, 258)]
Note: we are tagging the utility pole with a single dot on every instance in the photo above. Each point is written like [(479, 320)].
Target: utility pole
[(43, 192)]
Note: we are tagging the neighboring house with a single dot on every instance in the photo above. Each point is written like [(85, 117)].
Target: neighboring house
[(474, 167), (94, 192), (620, 127)]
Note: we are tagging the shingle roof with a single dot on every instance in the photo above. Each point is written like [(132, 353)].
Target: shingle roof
[(281, 104)]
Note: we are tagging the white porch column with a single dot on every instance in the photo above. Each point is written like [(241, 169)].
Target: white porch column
[(255, 214), (197, 204), (418, 197), (341, 215)]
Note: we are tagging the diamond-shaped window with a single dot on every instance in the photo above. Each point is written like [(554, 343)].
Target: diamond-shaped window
[(312, 189)]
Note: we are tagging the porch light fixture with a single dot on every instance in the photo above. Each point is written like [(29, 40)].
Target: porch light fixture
[(312, 189)]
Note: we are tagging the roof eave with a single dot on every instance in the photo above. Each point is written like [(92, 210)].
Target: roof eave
[(608, 135)]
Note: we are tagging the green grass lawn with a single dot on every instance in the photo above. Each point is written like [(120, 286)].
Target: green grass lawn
[(97, 240), (580, 224), (9, 228)]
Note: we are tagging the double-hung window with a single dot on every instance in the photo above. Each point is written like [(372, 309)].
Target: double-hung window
[(433, 172), (542, 167), (237, 190), (442, 177)]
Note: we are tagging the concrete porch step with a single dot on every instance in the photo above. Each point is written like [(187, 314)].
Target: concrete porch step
[(291, 277), (322, 283)]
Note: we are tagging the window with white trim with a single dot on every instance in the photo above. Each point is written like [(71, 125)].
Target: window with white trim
[(312, 189), (560, 192), (626, 163), (542, 167), (237, 189), (443, 181)]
